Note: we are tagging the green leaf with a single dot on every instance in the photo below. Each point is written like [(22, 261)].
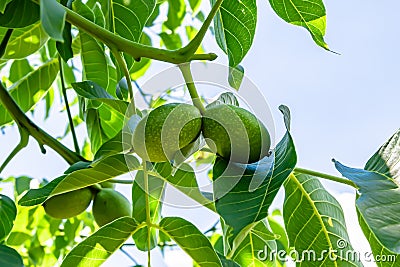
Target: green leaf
[(176, 14), (96, 133), (275, 221), (9, 257), (254, 246), (94, 59), (3, 5), (244, 192), (18, 69), (387, 159), (65, 48), (235, 77), (100, 171), (379, 251), (191, 240), (139, 68), (130, 17), (25, 41), (155, 195), (91, 90), (195, 5), (95, 249), (8, 212), (19, 14), (235, 26), (379, 196), (118, 144), (315, 222), (308, 14), (29, 90), (38, 196), (52, 16), (103, 170), (171, 41)]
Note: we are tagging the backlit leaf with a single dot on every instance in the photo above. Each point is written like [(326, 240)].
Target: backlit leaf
[(95, 249), (311, 213), (190, 240), (308, 14), (235, 26), (29, 90), (8, 212)]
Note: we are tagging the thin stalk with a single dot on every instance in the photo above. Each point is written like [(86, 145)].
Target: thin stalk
[(117, 181), (64, 92), (194, 44), (326, 176), (187, 75), (148, 219), (42, 137), (122, 65)]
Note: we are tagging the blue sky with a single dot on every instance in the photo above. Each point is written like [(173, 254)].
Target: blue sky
[(343, 106)]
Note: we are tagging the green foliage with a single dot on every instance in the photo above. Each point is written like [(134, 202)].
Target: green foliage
[(24, 41), (31, 88), (235, 26), (8, 212), (155, 190), (191, 240), (52, 16), (94, 250), (311, 16), (10, 257), (105, 47), (256, 183), (311, 213), (19, 14)]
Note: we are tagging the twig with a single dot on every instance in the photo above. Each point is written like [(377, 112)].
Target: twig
[(42, 137), (326, 176), (71, 122)]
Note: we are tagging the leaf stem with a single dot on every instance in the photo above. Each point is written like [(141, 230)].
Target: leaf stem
[(117, 181), (326, 176), (187, 75), (42, 137), (124, 68), (64, 92), (194, 44), (148, 219)]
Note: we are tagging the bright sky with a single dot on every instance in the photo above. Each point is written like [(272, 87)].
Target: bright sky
[(343, 106)]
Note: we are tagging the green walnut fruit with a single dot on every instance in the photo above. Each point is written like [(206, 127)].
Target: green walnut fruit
[(165, 130), (235, 134), (69, 204), (109, 205)]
